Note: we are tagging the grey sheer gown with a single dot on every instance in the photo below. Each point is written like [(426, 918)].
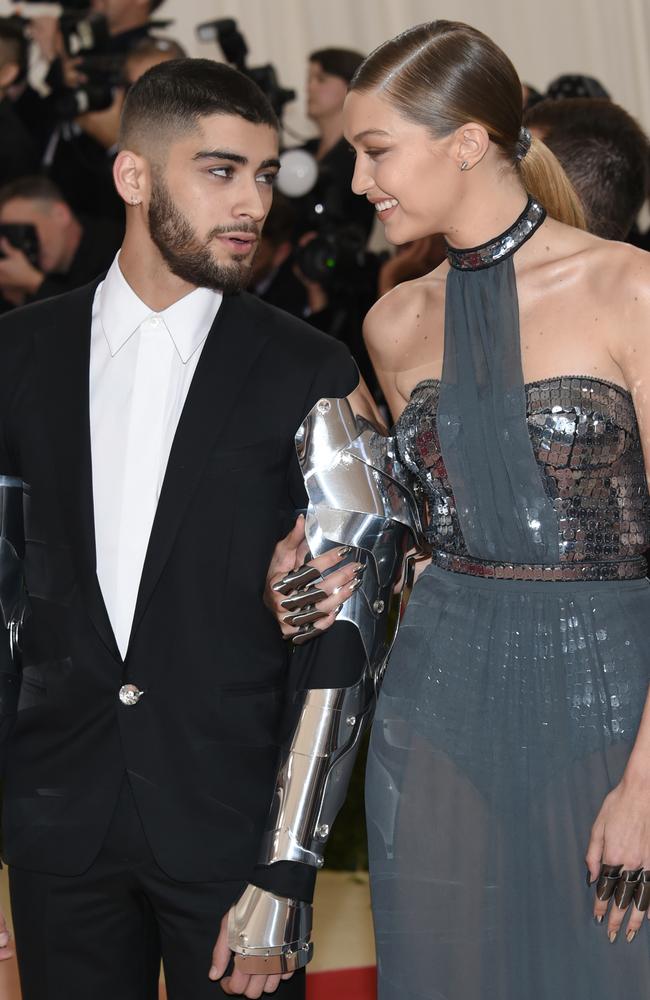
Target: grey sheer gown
[(516, 686)]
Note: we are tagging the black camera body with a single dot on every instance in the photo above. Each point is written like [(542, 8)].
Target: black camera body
[(226, 34), (22, 236)]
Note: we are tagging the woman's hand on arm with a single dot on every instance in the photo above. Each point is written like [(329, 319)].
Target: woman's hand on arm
[(317, 594)]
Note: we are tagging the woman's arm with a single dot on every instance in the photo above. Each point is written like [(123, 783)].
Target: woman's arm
[(621, 832)]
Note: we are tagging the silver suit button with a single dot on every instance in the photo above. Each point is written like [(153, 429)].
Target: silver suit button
[(130, 694)]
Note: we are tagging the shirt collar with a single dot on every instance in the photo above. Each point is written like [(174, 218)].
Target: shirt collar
[(187, 321)]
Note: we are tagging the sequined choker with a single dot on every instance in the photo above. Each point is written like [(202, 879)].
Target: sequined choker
[(503, 246)]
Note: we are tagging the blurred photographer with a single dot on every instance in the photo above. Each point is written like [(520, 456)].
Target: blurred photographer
[(70, 251), (18, 152), (85, 57), (332, 198)]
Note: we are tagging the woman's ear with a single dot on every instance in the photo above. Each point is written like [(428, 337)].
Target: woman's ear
[(471, 144)]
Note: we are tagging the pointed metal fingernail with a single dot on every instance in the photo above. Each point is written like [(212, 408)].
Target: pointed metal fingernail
[(612, 936), (345, 551), (356, 583), (630, 936), (588, 877), (305, 617), (302, 600), (361, 570), (598, 920)]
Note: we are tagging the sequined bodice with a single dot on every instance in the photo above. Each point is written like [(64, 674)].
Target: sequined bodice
[(586, 443)]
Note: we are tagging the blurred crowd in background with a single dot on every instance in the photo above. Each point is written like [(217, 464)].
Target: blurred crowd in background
[(62, 85)]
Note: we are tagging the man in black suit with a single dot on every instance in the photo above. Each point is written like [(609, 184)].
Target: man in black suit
[(151, 417)]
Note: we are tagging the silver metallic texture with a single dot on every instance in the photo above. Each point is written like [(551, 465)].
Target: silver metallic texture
[(269, 934), (524, 143), (297, 579), (607, 881), (13, 597), (625, 890), (578, 426), (129, 694), (642, 892), (476, 258), (359, 498)]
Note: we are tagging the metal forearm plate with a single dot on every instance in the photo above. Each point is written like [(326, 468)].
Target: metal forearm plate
[(359, 496), (269, 934)]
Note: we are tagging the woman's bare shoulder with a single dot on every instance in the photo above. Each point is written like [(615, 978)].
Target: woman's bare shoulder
[(395, 319)]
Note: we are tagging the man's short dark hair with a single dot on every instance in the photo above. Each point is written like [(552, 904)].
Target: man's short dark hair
[(170, 99), (606, 155), (338, 62), (154, 5), (36, 188)]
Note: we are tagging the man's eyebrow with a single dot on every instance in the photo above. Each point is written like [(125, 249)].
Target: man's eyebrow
[(221, 154), (227, 154), (370, 131)]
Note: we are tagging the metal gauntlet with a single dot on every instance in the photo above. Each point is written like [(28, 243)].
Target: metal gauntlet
[(359, 497), (13, 598)]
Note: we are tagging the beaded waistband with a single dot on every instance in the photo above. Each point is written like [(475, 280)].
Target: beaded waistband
[(625, 569)]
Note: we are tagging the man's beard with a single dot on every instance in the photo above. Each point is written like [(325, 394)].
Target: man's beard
[(186, 255)]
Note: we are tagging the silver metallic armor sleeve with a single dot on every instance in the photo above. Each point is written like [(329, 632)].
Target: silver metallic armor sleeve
[(13, 598), (359, 497)]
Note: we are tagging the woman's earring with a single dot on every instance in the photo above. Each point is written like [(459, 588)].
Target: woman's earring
[(464, 165)]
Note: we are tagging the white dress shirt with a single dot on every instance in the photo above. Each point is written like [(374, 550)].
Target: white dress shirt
[(141, 368)]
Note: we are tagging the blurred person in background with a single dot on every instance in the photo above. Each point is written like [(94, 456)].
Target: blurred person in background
[(71, 250), (273, 276), (79, 153), (18, 151), (104, 126), (332, 199), (605, 154)]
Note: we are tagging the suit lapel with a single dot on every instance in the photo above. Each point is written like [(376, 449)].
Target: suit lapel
[(63, 358), (229, 353)]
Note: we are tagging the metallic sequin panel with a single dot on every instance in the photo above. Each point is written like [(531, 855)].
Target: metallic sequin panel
[(586, 441)]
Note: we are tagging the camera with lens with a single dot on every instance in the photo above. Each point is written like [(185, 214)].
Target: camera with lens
[(22, 236), (225, 32)]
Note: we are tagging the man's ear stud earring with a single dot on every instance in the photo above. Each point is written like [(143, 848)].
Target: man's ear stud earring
[(464, 165), (135, 201)]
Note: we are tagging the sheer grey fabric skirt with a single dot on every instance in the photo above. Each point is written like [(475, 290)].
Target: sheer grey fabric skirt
[(507, 714)]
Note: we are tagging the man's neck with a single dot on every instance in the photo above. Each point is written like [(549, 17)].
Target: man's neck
[(148, 275)]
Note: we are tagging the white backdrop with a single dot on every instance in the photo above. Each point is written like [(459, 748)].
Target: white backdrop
[(608, 39)]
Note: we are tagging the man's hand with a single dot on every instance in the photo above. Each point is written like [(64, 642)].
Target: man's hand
[(17, 274), (6, 951), (238, 983)]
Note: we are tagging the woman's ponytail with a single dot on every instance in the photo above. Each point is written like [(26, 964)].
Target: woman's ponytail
[(543, 176)]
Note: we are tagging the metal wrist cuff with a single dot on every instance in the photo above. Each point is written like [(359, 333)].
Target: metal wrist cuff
[(269, 934)]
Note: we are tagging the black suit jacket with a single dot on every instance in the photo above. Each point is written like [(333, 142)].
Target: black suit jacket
[(200, 747)]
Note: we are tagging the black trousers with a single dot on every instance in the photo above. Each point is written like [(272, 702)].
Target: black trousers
[(101, 935)]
